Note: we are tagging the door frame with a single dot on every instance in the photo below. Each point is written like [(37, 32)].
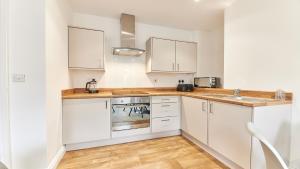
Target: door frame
[(5, 147)]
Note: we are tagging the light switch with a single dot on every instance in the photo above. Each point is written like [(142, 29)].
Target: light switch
[(19, 78)]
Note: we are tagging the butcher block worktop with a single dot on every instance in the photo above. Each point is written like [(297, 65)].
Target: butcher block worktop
[(250, 98)]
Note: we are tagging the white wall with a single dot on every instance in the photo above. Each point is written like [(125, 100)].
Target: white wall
[(57, 75), (4, 107), (28, 99), (211, 53), (128, 71), (262, 40)]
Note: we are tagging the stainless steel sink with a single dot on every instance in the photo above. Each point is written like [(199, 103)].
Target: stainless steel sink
[(238, 98), (247, 99)]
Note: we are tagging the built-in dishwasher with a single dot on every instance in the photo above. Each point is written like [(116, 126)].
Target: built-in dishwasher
[(130, 113)]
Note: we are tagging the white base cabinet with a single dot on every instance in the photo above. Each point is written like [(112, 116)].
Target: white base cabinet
[(165, 113), (223, 126), (194, 118), (165, 124), (228, 134), (86, 120), (218, 126)]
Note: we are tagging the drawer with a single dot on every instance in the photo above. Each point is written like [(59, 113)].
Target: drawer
[(165, 124), (165, 99), (165, 109)]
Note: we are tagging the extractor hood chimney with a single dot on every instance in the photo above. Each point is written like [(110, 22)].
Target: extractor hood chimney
[(127, 37)]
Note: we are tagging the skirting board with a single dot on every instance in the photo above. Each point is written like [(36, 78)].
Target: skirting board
[(57, 158), (113, 141), (215, 154)]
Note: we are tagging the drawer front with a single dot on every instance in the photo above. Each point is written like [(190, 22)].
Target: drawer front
[(165, 109), (165, 99), (165, 124)]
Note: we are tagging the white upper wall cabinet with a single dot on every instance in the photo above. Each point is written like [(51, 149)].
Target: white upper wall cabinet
[(86, 49), (161, 55), (186, 56), (164, 55)]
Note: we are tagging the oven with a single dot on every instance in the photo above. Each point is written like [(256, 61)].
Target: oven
[(130, 113)]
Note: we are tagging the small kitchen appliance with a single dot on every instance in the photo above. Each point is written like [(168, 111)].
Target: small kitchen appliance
[(185, 87), (91, 86), (207, 82)]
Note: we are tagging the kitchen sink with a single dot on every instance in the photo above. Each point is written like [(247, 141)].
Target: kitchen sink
[(247, 99), (238, 98)]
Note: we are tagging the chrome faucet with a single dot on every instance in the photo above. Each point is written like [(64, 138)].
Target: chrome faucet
[(237, 92)]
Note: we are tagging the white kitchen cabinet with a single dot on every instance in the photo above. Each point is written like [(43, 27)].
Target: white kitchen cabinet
[(228, 134), (86, 120), (86, 49), (161, 55), (165, 109), (165, 99), (194, 118), (165, 113), (186, 56), (164, 55), (165, 124)]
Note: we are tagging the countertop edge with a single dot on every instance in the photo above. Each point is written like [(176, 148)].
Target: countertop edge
[(108, 94)]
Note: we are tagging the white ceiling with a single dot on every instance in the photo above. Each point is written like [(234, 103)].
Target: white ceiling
[(184, 14)]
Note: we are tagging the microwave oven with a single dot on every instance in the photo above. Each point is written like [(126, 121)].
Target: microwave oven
[(207, 82)]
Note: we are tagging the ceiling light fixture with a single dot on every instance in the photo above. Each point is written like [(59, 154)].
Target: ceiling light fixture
[(196, 0)]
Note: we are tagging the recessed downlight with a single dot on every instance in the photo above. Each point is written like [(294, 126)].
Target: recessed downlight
[(196, 0)]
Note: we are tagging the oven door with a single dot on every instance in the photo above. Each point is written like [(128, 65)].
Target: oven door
[(130, 116)]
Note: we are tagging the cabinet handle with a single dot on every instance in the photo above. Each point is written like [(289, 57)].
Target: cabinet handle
[(173, 66), (178, 67), (166, 120), (165, 105), (106, 104), (203, 107), (211, 108)]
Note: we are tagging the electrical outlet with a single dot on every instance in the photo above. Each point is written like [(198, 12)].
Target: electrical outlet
[(19, 78)]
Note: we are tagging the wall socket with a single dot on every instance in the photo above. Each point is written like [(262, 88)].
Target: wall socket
[(19, 78)]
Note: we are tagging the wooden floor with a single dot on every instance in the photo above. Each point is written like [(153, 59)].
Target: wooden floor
[(164, 153)]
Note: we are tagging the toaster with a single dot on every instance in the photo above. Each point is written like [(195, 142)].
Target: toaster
[(185, 87), (207, 82)]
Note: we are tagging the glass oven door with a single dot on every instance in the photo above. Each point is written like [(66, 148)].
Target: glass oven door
[(128, 115)]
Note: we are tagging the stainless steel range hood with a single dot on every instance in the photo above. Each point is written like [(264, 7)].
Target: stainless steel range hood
[(127, 37)]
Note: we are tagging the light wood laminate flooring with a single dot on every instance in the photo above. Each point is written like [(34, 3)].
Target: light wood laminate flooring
[(163, 153)]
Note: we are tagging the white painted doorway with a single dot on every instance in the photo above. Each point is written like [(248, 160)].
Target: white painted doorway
[(5, 156)]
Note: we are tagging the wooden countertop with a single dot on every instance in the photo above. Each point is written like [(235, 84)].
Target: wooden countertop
[(265, 98)]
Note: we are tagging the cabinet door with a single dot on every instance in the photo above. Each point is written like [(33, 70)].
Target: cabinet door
[(194, 118), (163, 55), (186, 56), (228, 134), (85, 120), (86, 48)]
